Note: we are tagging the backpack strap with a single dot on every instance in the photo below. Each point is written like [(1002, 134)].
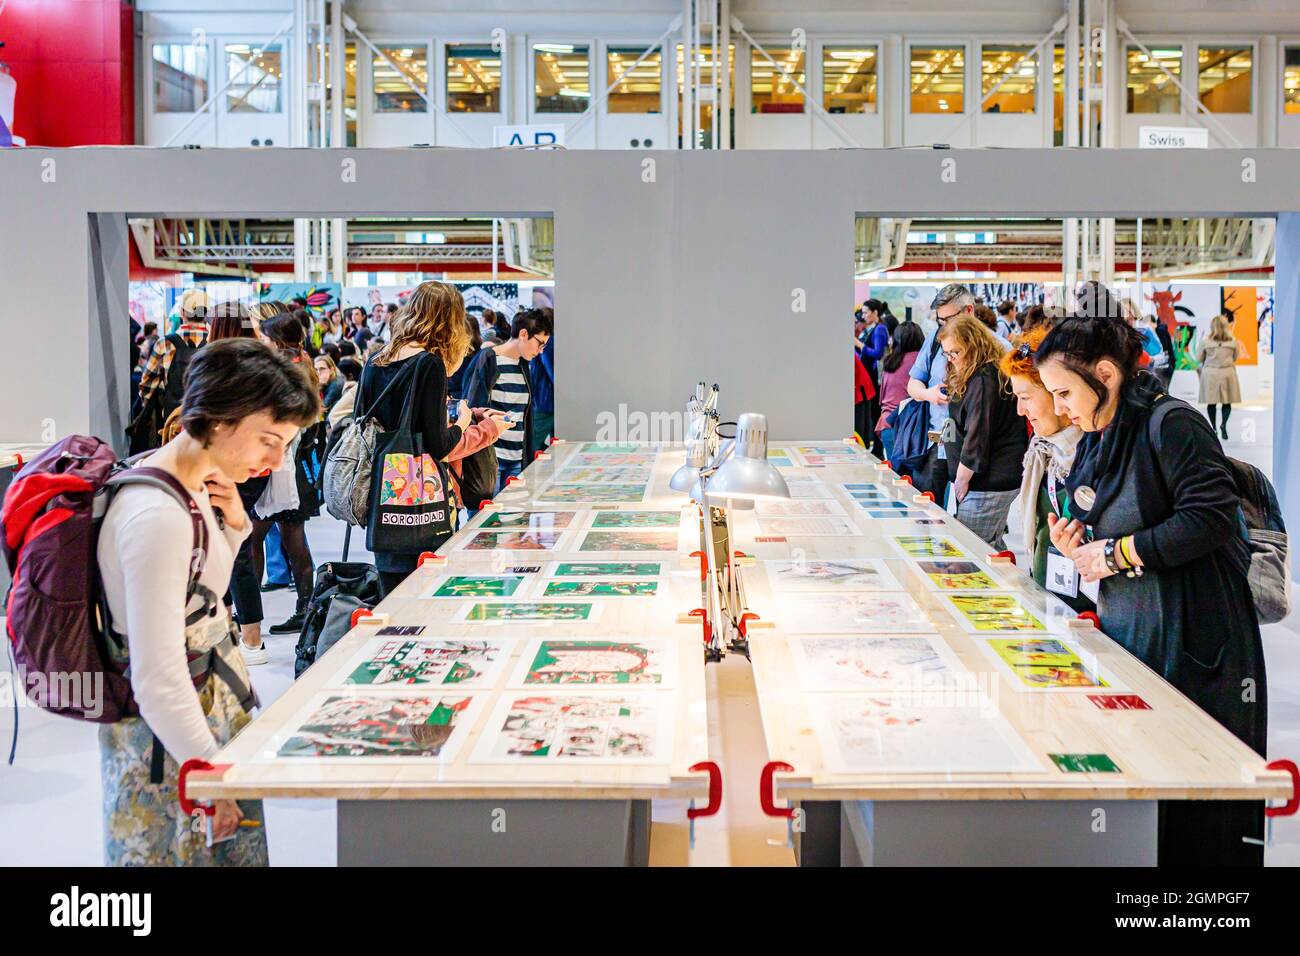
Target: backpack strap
[(157, 478)]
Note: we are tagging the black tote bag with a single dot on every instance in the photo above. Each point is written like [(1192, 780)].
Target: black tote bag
[(411, 507)]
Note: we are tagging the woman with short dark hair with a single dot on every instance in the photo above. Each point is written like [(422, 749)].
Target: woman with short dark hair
[(243, 404)]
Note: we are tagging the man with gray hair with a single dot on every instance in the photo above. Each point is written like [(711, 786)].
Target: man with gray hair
[(926, 385)]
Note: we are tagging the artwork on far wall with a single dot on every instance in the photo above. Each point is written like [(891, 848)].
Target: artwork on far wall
[(497, 296), (320, 296)]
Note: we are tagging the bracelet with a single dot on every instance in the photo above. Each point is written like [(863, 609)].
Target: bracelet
[(1126, 548), (1109, 552)]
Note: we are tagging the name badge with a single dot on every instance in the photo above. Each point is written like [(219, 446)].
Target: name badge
[(1091, 590), (1062, 575)]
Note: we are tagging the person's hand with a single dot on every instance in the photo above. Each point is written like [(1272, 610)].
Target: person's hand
[(464, 417), (224, 495), (1090, 559), (498, 419), (1067, 536), (961, 488), (226, 820), (937, 395)]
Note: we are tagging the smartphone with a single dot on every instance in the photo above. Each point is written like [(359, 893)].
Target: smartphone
[(453, 408)]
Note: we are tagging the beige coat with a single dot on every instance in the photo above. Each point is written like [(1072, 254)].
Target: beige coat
[(1218, 371)]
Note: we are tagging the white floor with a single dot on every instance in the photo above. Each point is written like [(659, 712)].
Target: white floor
[(49, 798)]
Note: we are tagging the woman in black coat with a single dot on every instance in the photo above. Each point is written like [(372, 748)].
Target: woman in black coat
[(1157, 520)]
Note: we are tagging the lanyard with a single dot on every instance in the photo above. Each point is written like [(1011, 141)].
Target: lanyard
[(1053, 500)]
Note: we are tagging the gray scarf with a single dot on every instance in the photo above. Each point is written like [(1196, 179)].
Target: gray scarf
[(1047, 453)]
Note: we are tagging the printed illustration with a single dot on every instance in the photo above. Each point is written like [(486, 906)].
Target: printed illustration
[(605, 448), (806, 527), (1045, 664), (993, 612), (877, 733), (928, 546), (876, 612), (629, 541), (572, 589), (872, 662), (603, 476), (409, 481), (637, 519), (459, 585), (607, 569), (387, 662), (611, 494), (541, 540), (532, 520), (862, 574), (381, 726), (510, 611), (797, 509), (586, 728), (612, 460), (957, 576), (597, 661)]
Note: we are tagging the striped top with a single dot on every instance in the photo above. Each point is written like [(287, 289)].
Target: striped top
[(510, 394)]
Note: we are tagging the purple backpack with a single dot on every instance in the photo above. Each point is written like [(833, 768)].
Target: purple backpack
[(67, 655)]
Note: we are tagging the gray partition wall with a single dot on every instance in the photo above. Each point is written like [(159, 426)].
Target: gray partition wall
[(732, 267)]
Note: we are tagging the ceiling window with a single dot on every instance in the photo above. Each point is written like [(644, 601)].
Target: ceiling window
[(636, 90), (1291, 80), (938, 79), (473, 79), (1150, 89), (1013, 71), (180, 77), (849, 76), (396, 80), (772, 84), (1224, 77), (561, 77)]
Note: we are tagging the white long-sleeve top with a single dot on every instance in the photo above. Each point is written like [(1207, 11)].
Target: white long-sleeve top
[(144, 559)]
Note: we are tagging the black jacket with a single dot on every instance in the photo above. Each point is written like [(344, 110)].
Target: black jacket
[(991, 438), (1190, 617)]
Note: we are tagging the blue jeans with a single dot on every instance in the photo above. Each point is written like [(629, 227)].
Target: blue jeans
[(277, 568), (507, 469), (887, 440)]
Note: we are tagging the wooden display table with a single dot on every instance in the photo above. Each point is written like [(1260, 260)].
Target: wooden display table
[(516, 811), (1042, 814)]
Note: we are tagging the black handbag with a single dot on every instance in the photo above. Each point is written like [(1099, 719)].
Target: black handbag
[(411, 506), (478, 478)]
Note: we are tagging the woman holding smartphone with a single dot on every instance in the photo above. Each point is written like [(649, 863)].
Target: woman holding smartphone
[(1156, 519)]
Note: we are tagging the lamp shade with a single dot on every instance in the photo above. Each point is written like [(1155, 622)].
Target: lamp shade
[(747, 474), (685, 477)]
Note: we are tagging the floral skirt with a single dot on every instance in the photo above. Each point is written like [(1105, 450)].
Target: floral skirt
[(143, 821)]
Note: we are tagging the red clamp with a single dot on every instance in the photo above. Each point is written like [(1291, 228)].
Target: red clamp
[(512, 479), (425, 556), (739, 554), (886, 463), (1091, 616), (765, 798), (704, 565), (715, 790), (703, 615), (19, 456), (906, 478), (187, 805), (538, 454), (1010, 556), (744, 618), (1289, 808), (359, 613), (928, 494)]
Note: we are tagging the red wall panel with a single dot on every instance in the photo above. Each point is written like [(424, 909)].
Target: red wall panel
[(74, 61)]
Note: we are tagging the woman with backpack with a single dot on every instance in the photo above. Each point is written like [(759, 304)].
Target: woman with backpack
[(429, 341), (895, 370), (1156, 518), (243, 405)]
